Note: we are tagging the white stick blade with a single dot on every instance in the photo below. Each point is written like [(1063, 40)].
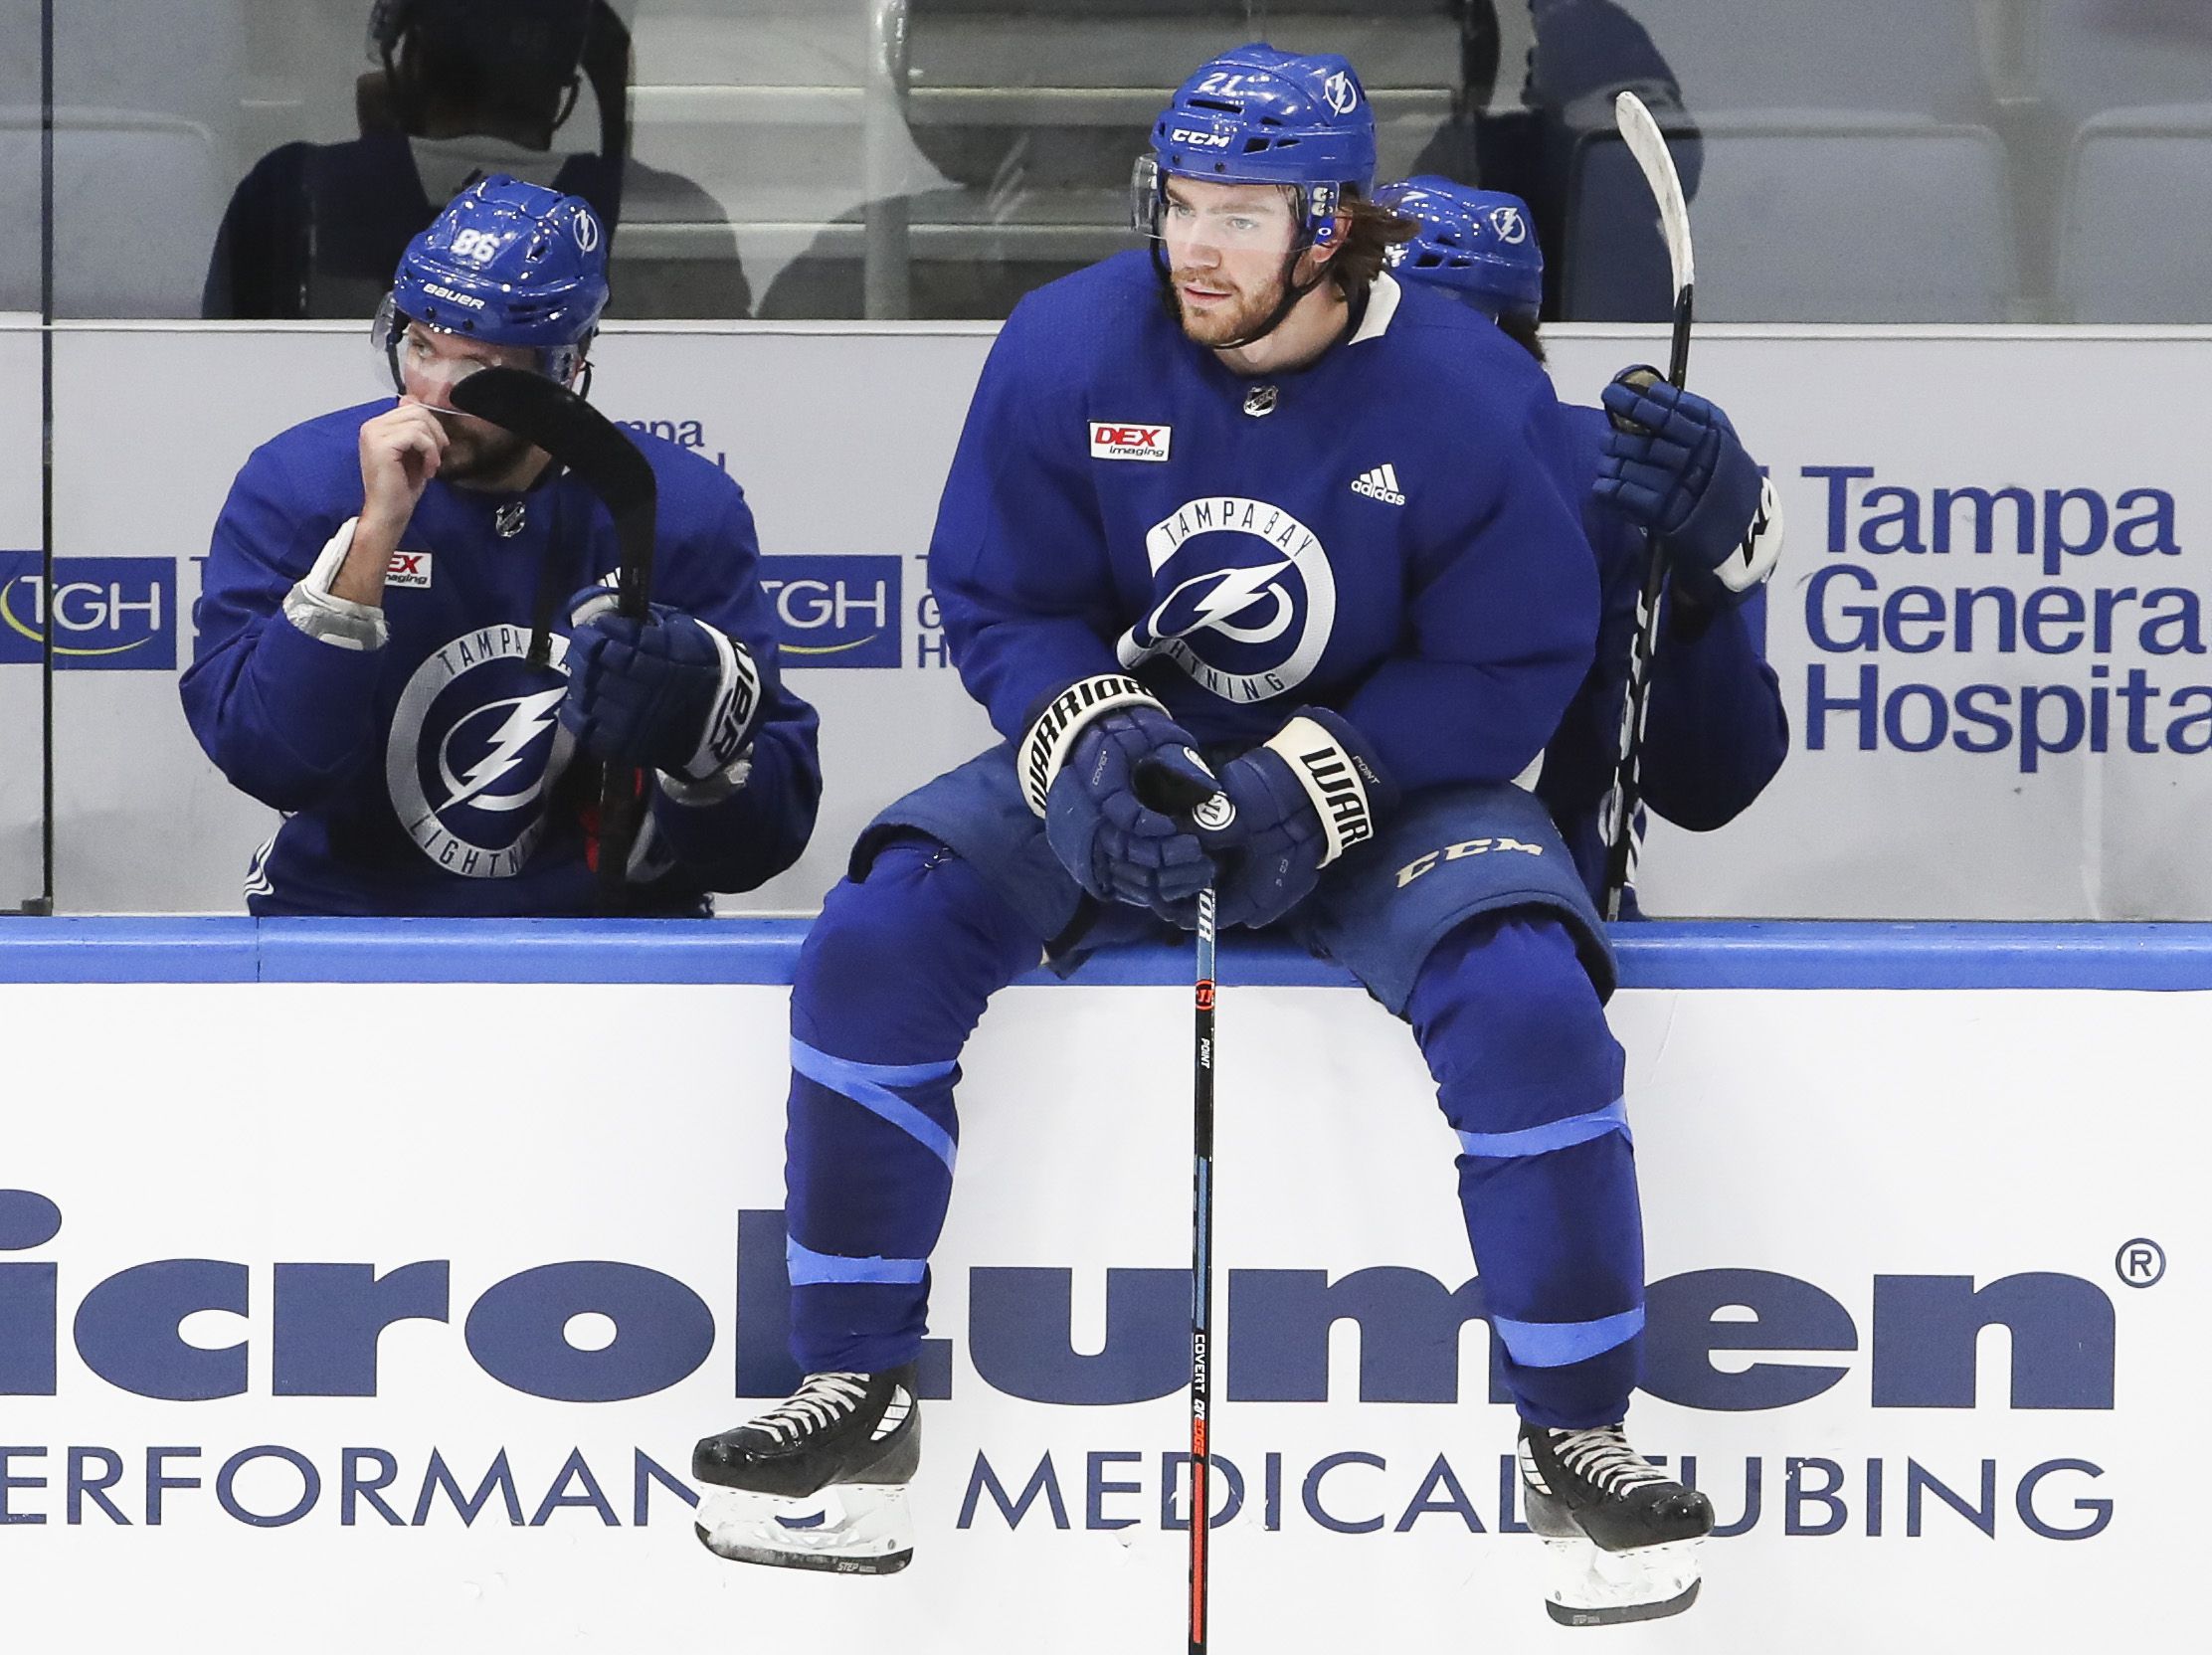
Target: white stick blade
[(1649, 145)]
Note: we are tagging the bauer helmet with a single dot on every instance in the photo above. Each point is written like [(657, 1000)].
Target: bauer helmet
[(507, 262), (1478, 242), (1256, 115)]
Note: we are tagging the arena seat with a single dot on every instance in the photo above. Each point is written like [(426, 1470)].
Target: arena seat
[(136, 198), (1841, 218), (2138, 198)]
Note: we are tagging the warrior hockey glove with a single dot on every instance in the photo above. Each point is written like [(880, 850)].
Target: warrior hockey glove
[(1295, 805), (1113, 845), (1674, 467), (672, 693)]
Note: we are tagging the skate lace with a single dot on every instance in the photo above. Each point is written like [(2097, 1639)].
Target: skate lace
[(1603, 1459), (820, 1402)]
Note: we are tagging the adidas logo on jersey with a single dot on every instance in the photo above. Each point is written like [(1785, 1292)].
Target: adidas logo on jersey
[(1379, 485)]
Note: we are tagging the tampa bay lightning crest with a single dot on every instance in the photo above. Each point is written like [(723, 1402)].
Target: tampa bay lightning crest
[(475, 750), (1244, 598)]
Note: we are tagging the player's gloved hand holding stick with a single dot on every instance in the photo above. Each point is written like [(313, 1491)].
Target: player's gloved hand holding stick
[(1674, 467), (669, 692), (1291, 805), (1079, 766)]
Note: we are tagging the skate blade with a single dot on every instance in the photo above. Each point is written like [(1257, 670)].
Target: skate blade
[(1592, 1587), (856, 1529)]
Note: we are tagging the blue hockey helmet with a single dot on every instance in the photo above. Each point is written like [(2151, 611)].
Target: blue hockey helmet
[(1256, 115), (510, 263), (1479, 242)]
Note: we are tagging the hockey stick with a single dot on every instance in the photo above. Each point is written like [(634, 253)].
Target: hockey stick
[(593, 448), (1201, 1267), (1622, 804), (1172, 794)]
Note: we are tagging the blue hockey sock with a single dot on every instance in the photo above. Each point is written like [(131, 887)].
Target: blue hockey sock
[(890, 985), (1530, 1077)]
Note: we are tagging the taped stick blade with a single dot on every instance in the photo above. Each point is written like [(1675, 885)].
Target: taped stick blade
[(1649, 146)]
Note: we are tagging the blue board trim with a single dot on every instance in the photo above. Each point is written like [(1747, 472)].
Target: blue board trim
[(1656, 954)]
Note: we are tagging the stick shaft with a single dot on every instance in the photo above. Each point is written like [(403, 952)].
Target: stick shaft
[(1625, 801), (1201, 1269)]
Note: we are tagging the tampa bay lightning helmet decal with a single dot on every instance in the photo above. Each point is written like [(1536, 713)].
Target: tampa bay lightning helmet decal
[(1246, 600), (507, 262), (475, 749), (1480, 243)]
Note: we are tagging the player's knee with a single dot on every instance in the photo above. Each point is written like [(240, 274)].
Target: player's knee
[(1504, 1006), (907, 955)]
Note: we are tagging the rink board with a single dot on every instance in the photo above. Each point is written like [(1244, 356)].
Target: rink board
[(1988, 624), (212, 1109)]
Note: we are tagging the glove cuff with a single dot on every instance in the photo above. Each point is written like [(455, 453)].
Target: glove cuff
[(729, 719), (1344, 786), (1754, 560), (1052, 734), (321, 613)]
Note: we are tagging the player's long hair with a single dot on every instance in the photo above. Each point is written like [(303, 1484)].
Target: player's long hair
[(1367, 237), (1521, 327)]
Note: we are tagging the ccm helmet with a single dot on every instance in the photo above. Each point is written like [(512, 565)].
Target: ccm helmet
[(1256, 115)]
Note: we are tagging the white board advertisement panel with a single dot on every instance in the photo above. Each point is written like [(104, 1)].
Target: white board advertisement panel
[(1911, 1309), (1987, 627)]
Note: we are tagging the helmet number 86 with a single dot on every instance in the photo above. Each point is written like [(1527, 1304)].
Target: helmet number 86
[(475, 245)]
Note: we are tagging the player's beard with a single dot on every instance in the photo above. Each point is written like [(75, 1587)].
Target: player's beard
[(1245, 314), (475, 452)]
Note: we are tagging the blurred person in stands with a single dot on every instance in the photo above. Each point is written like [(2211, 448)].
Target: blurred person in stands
[(467, 88), (383, 652), (1584, 54)]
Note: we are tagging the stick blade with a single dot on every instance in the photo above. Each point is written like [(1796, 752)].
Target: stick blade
[(1649, 145), (565, 425)]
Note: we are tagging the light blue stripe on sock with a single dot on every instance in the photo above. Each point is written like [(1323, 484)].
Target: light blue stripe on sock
[(1553, 1135), (869, 1086), (809, 1268), (1558, 1344)]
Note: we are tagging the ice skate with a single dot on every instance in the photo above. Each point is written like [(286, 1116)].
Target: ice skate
[(820, 1480), (1623, 1537)]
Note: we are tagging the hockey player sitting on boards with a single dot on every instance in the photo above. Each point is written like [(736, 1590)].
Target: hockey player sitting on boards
[(1239, 506), (384, 652)]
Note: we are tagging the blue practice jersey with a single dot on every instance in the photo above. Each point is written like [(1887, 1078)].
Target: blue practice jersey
[(1714, 731), (1377, 533), (429, 776)]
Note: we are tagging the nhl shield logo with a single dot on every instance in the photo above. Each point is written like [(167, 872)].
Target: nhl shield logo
[(1259, 401)]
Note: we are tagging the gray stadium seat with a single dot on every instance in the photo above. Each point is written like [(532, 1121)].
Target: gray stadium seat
[(1017, 124), (2135, 247), (1848, 219), (135, 201), (2094, 55), (1904, 57)]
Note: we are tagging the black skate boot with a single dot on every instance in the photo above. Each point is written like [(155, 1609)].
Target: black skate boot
[(820, 1480), (1624, 1535)]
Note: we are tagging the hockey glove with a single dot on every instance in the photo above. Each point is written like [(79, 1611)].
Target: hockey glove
[(1116, 847), (671, 693), (1674, 467), (1296, 803)]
